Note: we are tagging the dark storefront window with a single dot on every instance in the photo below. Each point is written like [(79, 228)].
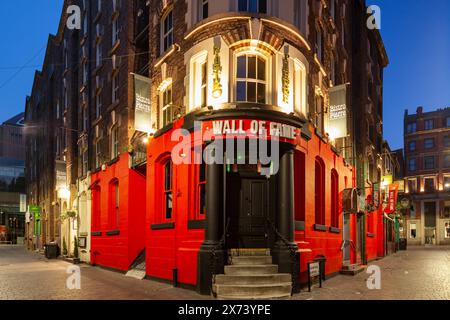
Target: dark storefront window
[(320, 191), (168, 193), (201, 189), (256, 6), (299, 181), (334, 199)]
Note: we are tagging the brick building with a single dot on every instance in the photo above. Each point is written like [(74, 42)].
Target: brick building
[(307, 74), (12, 138), (427, 175)]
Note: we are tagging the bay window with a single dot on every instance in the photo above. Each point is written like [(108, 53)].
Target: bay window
[(251, 78)]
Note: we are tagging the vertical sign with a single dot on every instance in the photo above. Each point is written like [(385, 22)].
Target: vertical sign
[(23, 203), (392, 202), (376, 195), (142, 105), (337, 122), (35, 211)]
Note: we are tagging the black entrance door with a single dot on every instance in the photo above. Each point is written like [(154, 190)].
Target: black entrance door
[(248, 209), (253, 214)]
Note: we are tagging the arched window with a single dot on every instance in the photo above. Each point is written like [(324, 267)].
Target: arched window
[(319, 192), (114, 204), (251, 78), (334, 199)]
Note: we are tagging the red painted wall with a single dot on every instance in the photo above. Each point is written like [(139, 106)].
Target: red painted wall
[(312, 243), (178, 247), (118, 251)]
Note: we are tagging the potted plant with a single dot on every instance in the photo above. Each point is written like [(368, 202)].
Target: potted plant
[(64, 248), (76, 254)]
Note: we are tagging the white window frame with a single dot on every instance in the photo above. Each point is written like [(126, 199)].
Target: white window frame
[(166, 107), (299, 85), (115, 31), (267, 82), (114, 141), (195, 80), (115, 87)]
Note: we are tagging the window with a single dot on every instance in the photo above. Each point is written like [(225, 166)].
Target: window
[(429, 163), (320, 191), (167, 106), (98, 54), (251, 79), (115, 142), (167, 31), (413, 231), (204, 9), (412, 146), (256, 6), (201, 192), (447, 183), (429, 184), (299, 186), (412, 165), (411, 128), (447, 141), (115, 87), (429, 124), (98, 152), (85, 162), (114, 209), (333, 9), (320, 44), (429, 143), (168, 193), (447, 161), (319, 114), (412, 185), (198, 81), (58, 111), (84, 112), (447, 122), (99, 6), (299, 87), (334, 199), (98, 105), (115, 31)]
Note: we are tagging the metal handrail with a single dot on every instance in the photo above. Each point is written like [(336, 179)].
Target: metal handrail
[(214, 256), (292, 251)]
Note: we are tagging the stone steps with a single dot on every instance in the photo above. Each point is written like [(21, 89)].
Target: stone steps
[(352, 270), (249, 270), (252, 260), (253, 290), (252, 276), (254, 279)]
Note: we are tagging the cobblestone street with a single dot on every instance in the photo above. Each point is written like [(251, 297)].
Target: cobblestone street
[(419, 273)]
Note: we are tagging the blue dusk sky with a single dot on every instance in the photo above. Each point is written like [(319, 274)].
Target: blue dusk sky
[(416, 34)]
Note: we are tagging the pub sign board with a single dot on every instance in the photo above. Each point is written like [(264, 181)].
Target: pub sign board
[(314, 272)]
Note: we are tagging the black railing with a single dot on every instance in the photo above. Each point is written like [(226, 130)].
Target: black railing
[(215, 256), (293, 255)]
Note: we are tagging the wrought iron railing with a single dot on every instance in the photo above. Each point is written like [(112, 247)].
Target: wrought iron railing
[(293, 255)]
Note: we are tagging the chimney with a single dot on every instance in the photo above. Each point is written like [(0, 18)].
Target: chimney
[(419, 111)]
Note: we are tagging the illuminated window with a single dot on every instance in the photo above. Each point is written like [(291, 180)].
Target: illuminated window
[(412, 185), (299, 87), (115, 142), (251, 79), (166, 106), (198, 81), (168, 193)]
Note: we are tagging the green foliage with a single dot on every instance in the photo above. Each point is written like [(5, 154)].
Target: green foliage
[(76, 253), (64, 247)]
